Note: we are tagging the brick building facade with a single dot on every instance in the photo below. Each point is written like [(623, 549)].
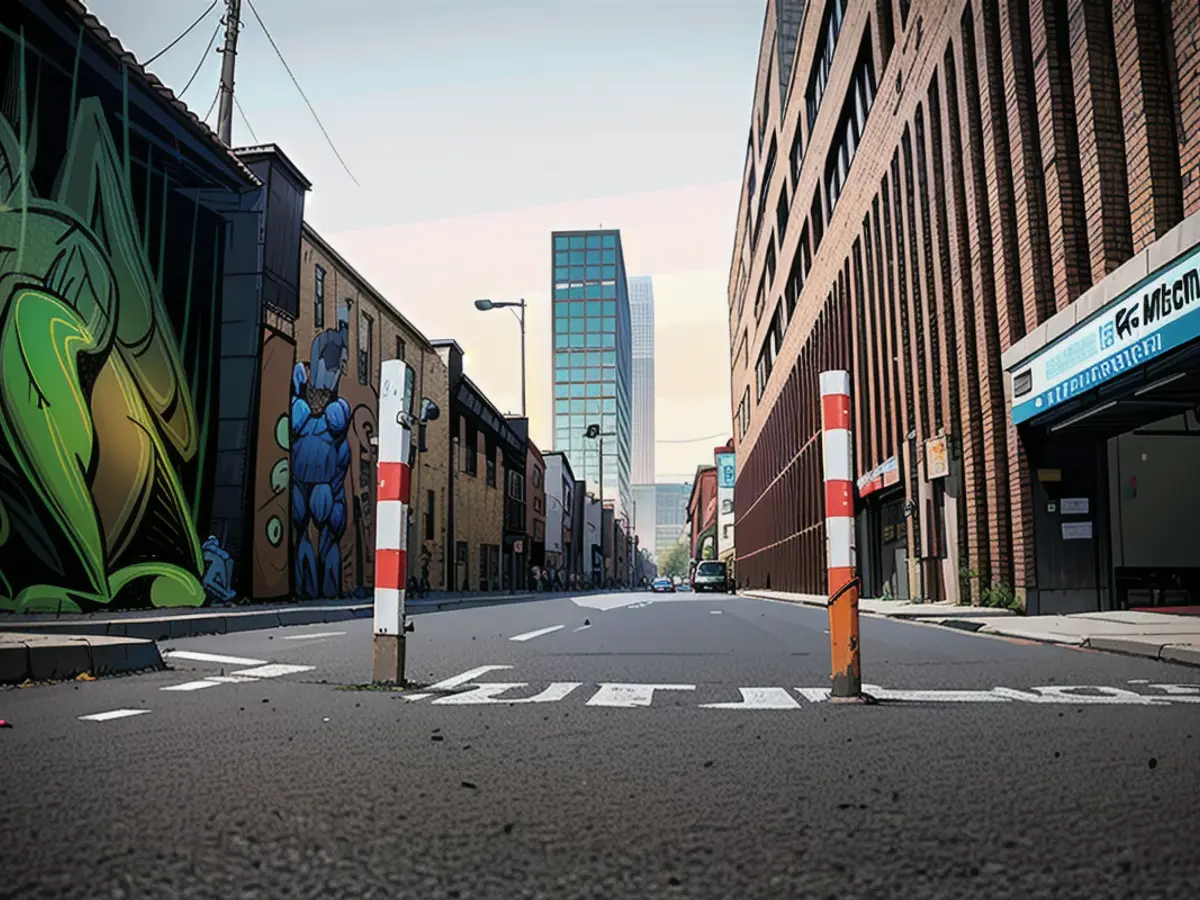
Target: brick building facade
[(928, 187), (361, 329)]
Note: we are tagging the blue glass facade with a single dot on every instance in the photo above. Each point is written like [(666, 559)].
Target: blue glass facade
[(593, 358)]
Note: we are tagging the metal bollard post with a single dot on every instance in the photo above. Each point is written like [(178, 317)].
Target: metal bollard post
[(391, 523), (846, 679)]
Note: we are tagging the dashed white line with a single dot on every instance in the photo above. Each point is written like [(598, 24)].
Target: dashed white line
[(530, 635), (194, 656), (714, 612), (582, 628), (308, 637), (192, 685), (113, 714)]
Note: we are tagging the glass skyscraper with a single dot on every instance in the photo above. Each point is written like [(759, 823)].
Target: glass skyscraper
[(593, 359), (641, 313)]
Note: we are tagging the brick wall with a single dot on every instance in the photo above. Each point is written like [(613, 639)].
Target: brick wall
[(478, 514), (1016, 152)]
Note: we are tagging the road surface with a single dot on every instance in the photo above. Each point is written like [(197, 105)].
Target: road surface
[(672, 746)]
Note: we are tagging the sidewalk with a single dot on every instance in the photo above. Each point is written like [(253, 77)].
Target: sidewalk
[(45, 646), (1154, 635)]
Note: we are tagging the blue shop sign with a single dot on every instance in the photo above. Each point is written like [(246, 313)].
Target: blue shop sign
[(1161, 313), (726, 470)]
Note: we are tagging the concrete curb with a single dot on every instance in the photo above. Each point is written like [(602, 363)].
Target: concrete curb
[(44, 657), (941, 616), (231, 621), (1181, 654)]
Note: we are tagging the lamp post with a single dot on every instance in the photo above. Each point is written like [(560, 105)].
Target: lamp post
[(485, 305)]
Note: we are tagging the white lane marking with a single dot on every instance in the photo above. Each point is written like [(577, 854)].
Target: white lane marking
[(1063, 694), (882, 693), (714, 612), (469, 675), (582, 628), (229, 679), (488, 693), (192, 685), (759, 698), (1179, 693), (414, 696), (1138, 681), (213, 658), (319, 634), (274, 670), (113, 714), (814, 695), (530, 635), (632, 694)]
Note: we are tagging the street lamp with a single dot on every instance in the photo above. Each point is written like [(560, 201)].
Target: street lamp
[(485, 305), (593, 433)]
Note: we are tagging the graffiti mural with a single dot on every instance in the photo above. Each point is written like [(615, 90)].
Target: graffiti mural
[(363, 436), (320, 452), (272, 546), (97, 413)]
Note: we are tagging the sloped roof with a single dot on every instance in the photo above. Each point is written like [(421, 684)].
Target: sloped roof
[(100, 31)]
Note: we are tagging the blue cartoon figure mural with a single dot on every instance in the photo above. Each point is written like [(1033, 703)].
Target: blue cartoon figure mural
[(320, 462)]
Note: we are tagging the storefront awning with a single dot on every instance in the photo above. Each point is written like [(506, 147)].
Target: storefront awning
[(1127, 352)]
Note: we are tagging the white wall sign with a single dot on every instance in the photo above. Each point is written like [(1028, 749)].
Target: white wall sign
[(1077, 531), (1160, 313), (1075, 506)]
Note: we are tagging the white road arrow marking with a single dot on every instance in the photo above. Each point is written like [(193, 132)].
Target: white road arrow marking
[(488, 693), (195, 656), (759, 698), (113, 714), (530, 635), (632, 694)]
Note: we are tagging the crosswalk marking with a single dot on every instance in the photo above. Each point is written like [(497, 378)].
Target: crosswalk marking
[(113, 714), (632, 694), (196, 656), (307, 637), (759, 698), (464, 678), (489, 693)]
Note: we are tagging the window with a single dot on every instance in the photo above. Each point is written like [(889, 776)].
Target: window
[(768, 171), (366, 340), (609, 240), (490, 468), (429, 501), (831, 27), (801, 263), (319, 298), (399, 347), (516, 485), (904, 4), (765, 118), (471, 462), (781, 212), (560, 243), (816, 218), (770, 261), (796, 156), (851, 123), (760, 298)]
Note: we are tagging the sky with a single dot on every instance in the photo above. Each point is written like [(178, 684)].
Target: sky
[(473, 129)]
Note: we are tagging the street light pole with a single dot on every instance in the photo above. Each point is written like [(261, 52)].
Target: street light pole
[(522, 357), (485, 305)]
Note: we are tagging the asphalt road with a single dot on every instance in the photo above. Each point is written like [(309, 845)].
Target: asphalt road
[(285, 781)]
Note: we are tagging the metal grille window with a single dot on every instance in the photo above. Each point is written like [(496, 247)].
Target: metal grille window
[(319, 298), (366, 339)]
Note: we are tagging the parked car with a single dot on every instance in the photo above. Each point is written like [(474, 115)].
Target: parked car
[(710, 575), (663, 586)]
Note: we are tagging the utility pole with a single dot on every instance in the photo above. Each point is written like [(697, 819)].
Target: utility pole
[(233, 17)]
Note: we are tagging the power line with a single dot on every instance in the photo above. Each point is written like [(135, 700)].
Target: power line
[(186, 32), (249, 127), (211, 106), (279, 53), (707, 437), (203, 59)]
